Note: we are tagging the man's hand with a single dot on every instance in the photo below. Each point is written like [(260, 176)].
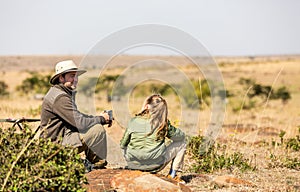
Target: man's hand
[(105, 115)]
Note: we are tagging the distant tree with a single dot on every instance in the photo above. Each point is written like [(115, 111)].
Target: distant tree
[(3, 89), (163, 90), (86, 87), (104, 83)]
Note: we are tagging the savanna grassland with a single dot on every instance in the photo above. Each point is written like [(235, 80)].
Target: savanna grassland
[(263, 128)]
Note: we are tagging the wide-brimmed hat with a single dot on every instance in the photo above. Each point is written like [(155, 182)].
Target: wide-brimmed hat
[(65, 67)]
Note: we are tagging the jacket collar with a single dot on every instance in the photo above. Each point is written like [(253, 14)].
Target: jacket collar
[(65, 89)]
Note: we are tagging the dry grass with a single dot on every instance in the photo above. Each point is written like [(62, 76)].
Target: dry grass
[(258, 126)]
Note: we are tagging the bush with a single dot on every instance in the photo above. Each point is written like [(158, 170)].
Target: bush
[(265, 91), (283, 94), (284, 161), (289, 143), (28, 164), (201, 90), (247, 104), (37, 83), (106, 82), (3, 89), (151, 87), (213, 157), (103, 83), (287, 159)]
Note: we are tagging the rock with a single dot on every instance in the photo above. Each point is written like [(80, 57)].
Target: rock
[(128, 180), (225, 180), (99, 180)]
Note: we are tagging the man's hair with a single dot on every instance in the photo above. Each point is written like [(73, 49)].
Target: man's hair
[(56, 81), (158, 111)]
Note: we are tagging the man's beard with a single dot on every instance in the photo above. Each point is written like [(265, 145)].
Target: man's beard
[(70, 85)]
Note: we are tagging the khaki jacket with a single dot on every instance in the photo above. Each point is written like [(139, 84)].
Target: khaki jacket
[(60, 119)]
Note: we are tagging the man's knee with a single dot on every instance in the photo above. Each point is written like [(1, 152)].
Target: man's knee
[(97, 129), (94, 134)]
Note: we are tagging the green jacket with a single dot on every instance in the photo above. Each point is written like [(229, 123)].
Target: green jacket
[(143, 151)]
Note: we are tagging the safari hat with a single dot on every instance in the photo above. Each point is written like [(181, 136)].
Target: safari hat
[(65, 67)]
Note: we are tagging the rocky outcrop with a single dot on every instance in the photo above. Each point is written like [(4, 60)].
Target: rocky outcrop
[(128, 180)]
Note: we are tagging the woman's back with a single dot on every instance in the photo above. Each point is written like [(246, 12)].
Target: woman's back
[(142, 146), (144, 139)]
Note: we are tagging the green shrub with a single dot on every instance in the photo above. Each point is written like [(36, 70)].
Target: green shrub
[(294, 143), (103, 83), (86, 87), (37, 83), (247, 104), (286, 160), (289, 143), (201, 90), (212, 157), (3, 89), (264, 91), (282, 93), (163, 89), (292, 163), (29, 164), (151, 87), (106, 82), (246, 82)]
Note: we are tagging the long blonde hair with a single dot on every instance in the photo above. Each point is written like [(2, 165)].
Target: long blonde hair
[(158, 111)]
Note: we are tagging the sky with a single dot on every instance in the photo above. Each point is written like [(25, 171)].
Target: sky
[(223, 27)]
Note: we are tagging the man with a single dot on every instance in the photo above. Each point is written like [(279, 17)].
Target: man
[(63, 123)]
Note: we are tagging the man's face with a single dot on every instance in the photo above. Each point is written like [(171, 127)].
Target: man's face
[(69, 80)]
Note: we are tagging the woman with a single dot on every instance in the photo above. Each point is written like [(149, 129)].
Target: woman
[(144, 141)]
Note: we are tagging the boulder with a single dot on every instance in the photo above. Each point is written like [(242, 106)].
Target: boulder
[(128, 180)]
